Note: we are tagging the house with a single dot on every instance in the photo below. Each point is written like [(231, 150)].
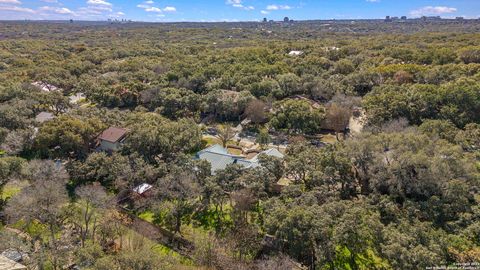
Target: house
[(135, 198), (143, 190), (46, 87), (281, 185), (295, 53), (44, 117), (219, 158), (7, 264), (111, 139)]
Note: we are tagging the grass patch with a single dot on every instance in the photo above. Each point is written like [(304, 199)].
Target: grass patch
[(209, 141), (329, 138), (132, 240), (163, 250), (235, 151), (147, 216), (166, 251), (13, 188), (34, 229), (9, 192)]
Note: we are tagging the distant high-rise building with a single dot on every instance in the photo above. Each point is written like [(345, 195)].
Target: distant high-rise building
[(286, 19), (264, 20), (388, 19), (404, 18)]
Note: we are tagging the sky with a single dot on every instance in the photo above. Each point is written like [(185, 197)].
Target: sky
[(232, 10)]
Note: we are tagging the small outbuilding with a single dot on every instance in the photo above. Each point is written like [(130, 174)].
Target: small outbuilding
[(44, 117), (7, 264), (111, 139), (75, 99), (143, 190)]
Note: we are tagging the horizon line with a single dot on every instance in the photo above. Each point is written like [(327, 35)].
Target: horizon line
[(234, 21)]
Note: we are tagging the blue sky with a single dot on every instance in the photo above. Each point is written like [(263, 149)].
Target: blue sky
[(231, 10)]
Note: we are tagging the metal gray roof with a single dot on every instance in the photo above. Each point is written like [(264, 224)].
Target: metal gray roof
[(219, 158)]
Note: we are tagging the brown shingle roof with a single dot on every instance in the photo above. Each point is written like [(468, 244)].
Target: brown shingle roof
[(113, 134)]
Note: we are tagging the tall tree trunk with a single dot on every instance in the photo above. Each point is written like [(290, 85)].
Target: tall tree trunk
[(178, 224), (54, 247), (353, 263)]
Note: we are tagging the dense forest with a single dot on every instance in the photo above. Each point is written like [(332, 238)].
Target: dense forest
[(345, 145)]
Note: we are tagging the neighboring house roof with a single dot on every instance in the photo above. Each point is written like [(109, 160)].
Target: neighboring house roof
[(7, 264), (214, 149), (141, 189), (270, 152), (75, 99), (46, 87), (219, 158), (295, 53), (12, 254), (113, 134), (44, 117), (249, 164)]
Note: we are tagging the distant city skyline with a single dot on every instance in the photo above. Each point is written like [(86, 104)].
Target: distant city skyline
[(232, 10)]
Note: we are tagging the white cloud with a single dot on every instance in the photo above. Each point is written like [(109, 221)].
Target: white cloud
[(373, 1), (89, 11), (147, 6), (264, 12), (99, 3), (234, 2), (56, 10), (15, 2), (278, 7), (169, 9), (97, 9), (153, 9), (94, 10), (239, 4), (430, 10), (17, 9)]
